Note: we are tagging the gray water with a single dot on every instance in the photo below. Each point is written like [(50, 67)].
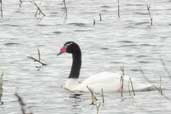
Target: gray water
[(106, 46)]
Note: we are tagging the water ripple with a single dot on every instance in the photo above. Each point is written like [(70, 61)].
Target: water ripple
[(12, 44), (78, 24)]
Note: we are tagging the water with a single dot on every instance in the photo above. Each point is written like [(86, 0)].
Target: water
[(128, 40)]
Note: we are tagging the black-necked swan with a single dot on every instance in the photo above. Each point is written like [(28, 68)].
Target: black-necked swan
[(110, 82)]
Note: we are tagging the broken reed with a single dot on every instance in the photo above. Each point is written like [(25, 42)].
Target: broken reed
[(93, 97), (1, 87), (38, 11), (1, 8), (39, 58), (149, 13)]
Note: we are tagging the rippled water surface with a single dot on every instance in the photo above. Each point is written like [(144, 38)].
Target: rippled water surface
[(107, 45)]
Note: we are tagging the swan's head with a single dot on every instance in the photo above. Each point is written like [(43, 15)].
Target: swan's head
[(69, 47)]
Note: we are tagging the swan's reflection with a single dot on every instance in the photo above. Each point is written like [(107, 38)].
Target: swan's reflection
[(77, 102)]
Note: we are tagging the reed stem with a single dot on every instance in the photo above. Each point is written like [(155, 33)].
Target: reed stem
[(38, 52), (149, 13), (66, 9), (118, 8), (98, 107), (94, 22), (129, 89), (149, 81), (100, 16), (21, 102), (1, 8), (161, 91), (132, 86), (102, 94), (93, 97), (122, 80), (20, 3), (165, 67), (1, 88)]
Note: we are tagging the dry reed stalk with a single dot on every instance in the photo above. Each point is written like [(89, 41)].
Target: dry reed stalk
[(39, 58), (122, 84), (118, 8), (100, 16), (132, 86), (38, 52), (1, 88), (161, 91), (149, 13), (102, 94), (142, 72), (98, 107), (93, 97), (20, 2), (36, 60), (66, 9), (122, 80), (38, 11), (129, 89), (94, 22), (165, 67), (21, 103), (1, 8)]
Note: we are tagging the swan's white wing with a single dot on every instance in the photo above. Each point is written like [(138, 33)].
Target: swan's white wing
[(109, 82), (106, 80), (102, 77)]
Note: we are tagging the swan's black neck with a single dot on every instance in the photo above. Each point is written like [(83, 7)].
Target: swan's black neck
[(76, 64)]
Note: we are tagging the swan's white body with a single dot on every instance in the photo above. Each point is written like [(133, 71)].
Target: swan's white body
[(110, 82)]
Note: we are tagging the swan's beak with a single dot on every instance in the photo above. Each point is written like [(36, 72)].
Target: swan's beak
[(59, 53), (62, 50)]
